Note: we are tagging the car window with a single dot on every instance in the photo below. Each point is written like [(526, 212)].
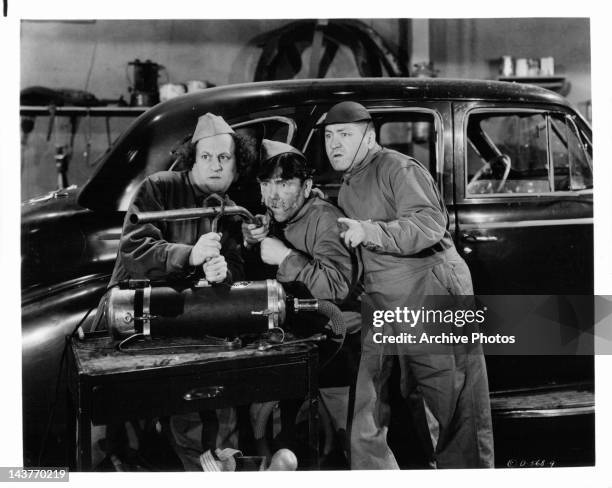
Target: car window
[(508, 153), (414, 137), (571, 163), (409, 132), (275, 128)]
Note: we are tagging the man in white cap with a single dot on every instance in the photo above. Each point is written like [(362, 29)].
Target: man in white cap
[(398, 221), (301, 239), (188, 250)]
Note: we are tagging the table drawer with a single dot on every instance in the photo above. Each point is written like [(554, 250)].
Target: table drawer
[(157, 396)]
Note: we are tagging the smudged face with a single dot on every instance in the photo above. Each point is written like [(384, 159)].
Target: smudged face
[(215, 168), (284, 198), (347, 144)]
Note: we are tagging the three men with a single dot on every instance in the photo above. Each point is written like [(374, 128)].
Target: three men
[(398, 220)]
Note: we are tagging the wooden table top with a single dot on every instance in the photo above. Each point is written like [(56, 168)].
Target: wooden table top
[(98, 354)]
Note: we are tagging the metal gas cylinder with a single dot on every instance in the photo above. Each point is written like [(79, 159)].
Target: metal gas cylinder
[(162, 311)]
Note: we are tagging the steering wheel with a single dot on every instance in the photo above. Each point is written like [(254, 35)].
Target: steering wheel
[(507, 162), (484, 169)]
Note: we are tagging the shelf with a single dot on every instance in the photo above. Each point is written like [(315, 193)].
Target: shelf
[(83, 111), (555, 83)]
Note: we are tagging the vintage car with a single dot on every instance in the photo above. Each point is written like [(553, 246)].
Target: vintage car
[(513, 163)]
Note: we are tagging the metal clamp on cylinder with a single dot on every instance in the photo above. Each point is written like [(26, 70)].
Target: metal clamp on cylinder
[(305, 304)]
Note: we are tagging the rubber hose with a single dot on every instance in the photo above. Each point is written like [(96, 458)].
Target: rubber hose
[(333, 313)]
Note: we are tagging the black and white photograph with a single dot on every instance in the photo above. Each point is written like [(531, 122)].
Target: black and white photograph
[(313, 242)]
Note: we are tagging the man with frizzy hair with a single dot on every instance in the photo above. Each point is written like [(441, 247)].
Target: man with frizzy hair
[(185, 251), (215, 156), (397, 219)]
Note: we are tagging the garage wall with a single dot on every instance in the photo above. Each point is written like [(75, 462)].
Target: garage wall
[(189, 49), (93, 56), (60, 54), (470, 48)]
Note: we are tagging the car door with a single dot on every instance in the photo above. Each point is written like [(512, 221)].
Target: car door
[(523, 199)]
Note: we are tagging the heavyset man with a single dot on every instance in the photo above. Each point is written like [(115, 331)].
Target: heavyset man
[(188, 250), (399, 222)]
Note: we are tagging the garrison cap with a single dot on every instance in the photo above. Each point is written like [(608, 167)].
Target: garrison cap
[(210, 125), (269, 149), (346, 112)]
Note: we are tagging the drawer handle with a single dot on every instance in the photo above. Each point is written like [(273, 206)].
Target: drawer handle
[(203, 393)]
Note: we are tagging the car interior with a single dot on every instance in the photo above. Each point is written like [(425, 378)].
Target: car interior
[(509, 153)]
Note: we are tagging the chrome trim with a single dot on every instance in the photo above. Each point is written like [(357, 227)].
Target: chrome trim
[(544, 413), (474, 197), (282, 308), (525, 223), (120, 313), (272, 304), (38, 292), (276, 304)]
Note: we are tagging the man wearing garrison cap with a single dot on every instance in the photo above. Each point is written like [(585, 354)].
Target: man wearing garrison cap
[(300, 238), (398, 221), (188, 250)]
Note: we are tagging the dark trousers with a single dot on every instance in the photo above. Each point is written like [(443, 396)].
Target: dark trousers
[(448, 393)]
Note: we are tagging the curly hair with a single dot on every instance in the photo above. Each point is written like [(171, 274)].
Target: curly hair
[(245, 149)]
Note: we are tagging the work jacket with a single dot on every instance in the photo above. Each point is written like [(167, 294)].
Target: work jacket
[(403, 215), (160, 250)]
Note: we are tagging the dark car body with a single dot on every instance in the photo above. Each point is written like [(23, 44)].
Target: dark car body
[(513, 163)]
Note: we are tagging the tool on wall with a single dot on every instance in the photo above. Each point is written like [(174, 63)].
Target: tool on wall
[(144, 89), (62, 158), (87, 151)]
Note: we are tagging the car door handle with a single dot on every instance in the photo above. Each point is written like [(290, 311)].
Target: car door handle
[(203, 393), (479, 238)]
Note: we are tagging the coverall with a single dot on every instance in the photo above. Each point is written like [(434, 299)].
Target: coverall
[(408, 252), (321, 262)]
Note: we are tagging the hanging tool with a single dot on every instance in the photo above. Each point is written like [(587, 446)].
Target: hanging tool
[(62, 158)]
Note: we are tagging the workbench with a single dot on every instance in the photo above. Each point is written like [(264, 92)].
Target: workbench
[(106, 385)]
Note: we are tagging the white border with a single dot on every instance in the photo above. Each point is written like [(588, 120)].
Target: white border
[(10, 423)]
